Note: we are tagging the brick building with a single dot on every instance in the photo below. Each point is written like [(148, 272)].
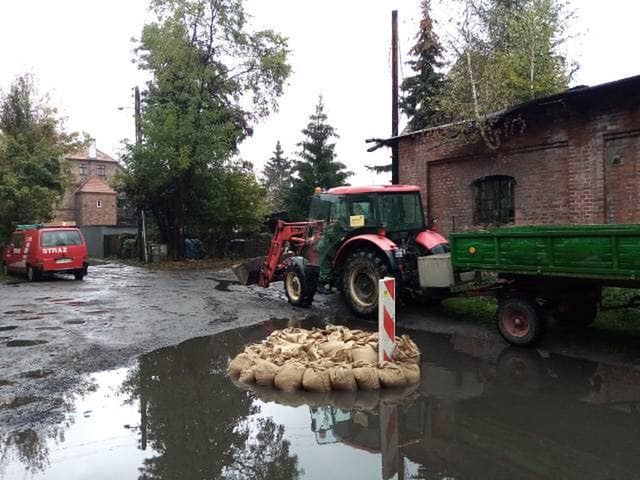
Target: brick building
[(568, 158), (90, 200)]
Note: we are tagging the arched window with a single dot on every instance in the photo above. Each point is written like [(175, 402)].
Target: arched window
[(493, 198)]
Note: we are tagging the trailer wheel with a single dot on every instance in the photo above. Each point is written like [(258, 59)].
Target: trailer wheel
[(362, 271), (520, 321), (299, 286)]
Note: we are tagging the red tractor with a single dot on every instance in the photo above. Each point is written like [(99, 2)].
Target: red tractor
[(354, 237)]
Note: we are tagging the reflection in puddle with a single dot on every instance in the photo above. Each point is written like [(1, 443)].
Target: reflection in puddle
[(480, 412)]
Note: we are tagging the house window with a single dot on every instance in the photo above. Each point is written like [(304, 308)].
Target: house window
[(493, 199), (101, 171), (99, 204), (83, 169)]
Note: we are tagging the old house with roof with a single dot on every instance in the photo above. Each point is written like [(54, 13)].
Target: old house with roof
[(573, 157), (90, 198)]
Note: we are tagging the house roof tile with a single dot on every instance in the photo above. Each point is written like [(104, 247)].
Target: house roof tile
[(95, 185)]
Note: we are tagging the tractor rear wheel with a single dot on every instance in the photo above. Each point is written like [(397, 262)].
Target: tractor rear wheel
[(299, 286), (362, 271)]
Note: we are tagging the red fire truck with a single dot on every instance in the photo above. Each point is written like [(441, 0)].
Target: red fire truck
[(36, 250)]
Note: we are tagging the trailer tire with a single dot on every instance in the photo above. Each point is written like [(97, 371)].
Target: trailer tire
[(360, 278), (300, 284), (521, 321)]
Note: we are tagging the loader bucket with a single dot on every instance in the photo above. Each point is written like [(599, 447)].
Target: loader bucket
[(248, 272)]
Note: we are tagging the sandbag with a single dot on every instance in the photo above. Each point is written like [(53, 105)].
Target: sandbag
[(289, 377), (265, 371), (247, 375), (365, 354), (406, 350), (316, 379), (411, 372), (391, 375), (342, 378), (239, 363), (329, 348), (366, 375)]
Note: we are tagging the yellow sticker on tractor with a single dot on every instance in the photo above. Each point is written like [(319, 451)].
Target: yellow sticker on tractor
[(356, 220)]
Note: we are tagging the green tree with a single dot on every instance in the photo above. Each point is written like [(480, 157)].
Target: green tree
[(317, 166), (276, 176), (32, 148), (421, 90), (211, 78), (506, 53)]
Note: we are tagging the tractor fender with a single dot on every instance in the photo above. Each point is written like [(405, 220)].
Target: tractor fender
[(430, 239), (377, 242)]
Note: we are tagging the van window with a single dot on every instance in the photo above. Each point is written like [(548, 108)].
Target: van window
[(17, 240), (60, 238)]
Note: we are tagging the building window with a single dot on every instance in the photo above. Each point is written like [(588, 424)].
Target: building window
[(99, 204), (493, 199), (83, 169), (101, 171)]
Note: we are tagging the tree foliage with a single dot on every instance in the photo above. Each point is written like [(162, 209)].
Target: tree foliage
[(211, 78), (32, 147), (421, 90), (317, 166), (277, 178), (506, 52)]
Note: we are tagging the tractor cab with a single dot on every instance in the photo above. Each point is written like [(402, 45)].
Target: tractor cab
[(392, 209)]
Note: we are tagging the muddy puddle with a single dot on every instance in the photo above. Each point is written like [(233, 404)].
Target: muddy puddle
[(482, 411)]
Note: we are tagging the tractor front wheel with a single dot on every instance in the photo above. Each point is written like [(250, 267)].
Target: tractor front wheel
[(362, 272), (299, 286)]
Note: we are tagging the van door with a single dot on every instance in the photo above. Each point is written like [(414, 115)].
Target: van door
[(62, 249), (16, 262)]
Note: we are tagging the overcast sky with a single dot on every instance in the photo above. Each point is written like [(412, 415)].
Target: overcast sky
[(81, 52)]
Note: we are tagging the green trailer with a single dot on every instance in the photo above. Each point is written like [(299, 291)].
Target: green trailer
[(549, 270)]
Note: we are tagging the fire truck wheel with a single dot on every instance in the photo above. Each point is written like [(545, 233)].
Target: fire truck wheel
[(521, 321), (33, 274), (79, 274), (299, 286), (362, 271)]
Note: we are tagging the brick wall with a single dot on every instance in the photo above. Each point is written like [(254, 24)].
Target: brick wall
[(88, 213), (571, 163)]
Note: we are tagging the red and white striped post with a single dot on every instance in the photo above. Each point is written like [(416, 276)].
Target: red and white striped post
[(386, 318)]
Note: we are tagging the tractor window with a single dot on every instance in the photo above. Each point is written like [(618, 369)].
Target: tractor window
[(361, 212), (400, 212)]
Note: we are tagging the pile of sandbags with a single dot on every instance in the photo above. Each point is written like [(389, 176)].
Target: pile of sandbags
[(333, 359)]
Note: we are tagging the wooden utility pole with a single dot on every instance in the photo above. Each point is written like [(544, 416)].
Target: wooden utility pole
[(395, 174), (142, 224)]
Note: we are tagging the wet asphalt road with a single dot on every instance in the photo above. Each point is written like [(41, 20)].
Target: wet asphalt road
[(56, 334), (53, 331)]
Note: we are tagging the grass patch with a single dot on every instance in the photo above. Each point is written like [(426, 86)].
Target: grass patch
[(620, 312), (478, 309), (617, 313)]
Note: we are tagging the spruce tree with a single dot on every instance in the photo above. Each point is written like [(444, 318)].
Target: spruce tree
[(420, 90), (277, 178), (317, 166)]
